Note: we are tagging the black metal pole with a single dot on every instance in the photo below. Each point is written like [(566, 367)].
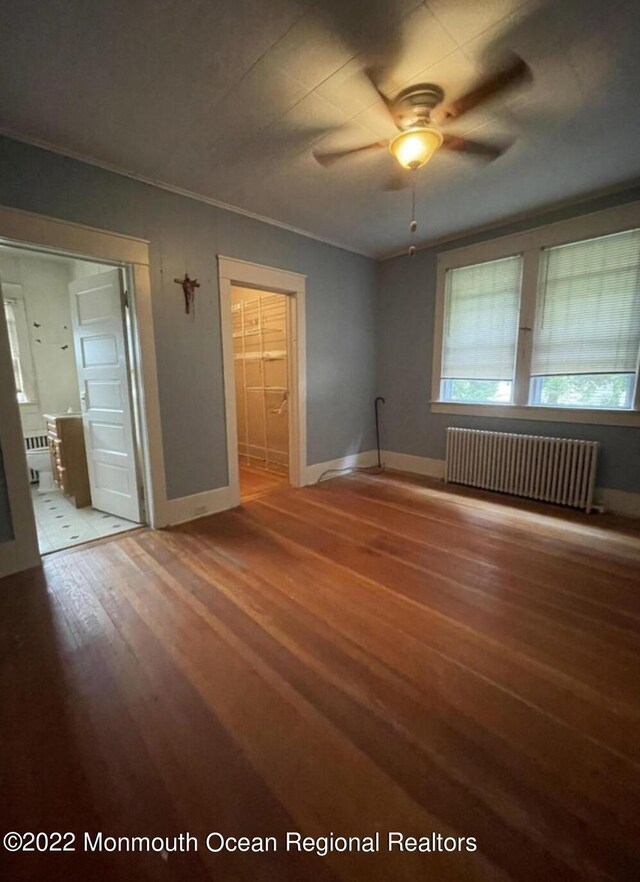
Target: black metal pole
[(375, 405)]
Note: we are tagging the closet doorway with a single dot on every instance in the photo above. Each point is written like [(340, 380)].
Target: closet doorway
[(263, 341), (260, 322)]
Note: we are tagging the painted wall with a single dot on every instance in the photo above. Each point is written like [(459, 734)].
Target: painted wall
[(186, 234), (406, 305), (45, 292)]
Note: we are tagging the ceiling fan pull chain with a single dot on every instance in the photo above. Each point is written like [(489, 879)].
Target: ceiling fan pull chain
[(413, 225)]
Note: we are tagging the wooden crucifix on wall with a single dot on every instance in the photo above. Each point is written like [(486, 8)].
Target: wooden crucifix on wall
[(189, 289)]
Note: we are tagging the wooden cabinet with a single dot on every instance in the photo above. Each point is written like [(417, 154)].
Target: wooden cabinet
[(69, 458)]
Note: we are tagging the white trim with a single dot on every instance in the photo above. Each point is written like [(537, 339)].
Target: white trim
[(179, 191), (366, 459), (587, 226), (538, 413), (528, 243), (416, 465), (518, 217), (149, 399), (438, 332), (21, 552), (36, 231), (13, 293), (619, 501), (526, 323), (615, 501), (252, 275), (199, 505), (52, 234)]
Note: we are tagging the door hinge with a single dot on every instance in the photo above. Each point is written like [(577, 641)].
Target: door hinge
[(125, 298)]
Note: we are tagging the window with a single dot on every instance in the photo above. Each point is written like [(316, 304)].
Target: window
[(587, 329), (542, 320), (481, 328), (20, 350)]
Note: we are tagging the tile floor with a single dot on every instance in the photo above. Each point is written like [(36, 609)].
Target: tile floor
[(60, 524)]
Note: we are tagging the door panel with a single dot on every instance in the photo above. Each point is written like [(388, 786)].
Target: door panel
[(99, 351), (103, 394), (99, 338)]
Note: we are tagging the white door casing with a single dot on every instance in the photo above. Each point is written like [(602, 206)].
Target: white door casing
[(38, 232), (18, 551), (103, 378)]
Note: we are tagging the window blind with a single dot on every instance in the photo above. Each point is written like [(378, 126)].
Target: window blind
[(14, 345), (588, 307), (481, 320)]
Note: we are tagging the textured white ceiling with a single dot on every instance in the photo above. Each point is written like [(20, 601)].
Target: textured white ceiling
[(228, 98)]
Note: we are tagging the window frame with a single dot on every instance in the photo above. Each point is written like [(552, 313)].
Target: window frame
[(13, 293), (530, 244)]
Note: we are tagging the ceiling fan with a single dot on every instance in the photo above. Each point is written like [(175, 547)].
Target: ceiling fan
[(418, 112)]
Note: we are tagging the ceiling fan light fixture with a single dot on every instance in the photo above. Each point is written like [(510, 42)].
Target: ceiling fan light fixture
[(415, 147)]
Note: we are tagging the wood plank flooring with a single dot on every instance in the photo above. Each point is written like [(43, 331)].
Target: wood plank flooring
[(371, 654), (256, 482)]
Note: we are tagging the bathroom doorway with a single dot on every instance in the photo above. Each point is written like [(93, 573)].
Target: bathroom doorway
[(260, 323), (70, 333)]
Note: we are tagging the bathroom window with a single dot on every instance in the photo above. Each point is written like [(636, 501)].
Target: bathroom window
[(20, 350)]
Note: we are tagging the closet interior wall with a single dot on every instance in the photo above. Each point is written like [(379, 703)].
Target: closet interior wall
[(260, 335)]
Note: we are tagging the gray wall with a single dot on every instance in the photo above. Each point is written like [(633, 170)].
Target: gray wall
[(406, 303), (346, 322), (186, 234)]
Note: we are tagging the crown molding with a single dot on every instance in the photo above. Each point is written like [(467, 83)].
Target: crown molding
[(445, 239), (532, 214), (178, 191)]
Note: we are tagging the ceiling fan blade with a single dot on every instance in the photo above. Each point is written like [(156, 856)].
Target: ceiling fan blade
[(371, 29), (329, 158), (385, 100), (517, 71), (488, 150)]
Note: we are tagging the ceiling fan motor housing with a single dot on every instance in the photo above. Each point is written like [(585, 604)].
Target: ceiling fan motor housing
[(413, 105)]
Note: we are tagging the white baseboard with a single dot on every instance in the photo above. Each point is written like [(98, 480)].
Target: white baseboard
[(614, 501), (619, 501), (188, 508), (352, 460), (417, 465)]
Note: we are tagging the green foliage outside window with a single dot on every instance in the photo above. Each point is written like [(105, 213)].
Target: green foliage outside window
[(586, 390), (487, 391), (574, 390)]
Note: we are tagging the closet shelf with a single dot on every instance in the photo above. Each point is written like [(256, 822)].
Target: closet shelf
[(268, 355)]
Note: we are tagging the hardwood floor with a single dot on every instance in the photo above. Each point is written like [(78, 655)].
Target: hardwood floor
[(256, 482), (371, 654)]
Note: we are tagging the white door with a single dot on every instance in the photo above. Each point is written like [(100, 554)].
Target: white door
[(101, 358)]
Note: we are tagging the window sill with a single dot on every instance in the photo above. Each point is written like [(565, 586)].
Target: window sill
[(536, 413)]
